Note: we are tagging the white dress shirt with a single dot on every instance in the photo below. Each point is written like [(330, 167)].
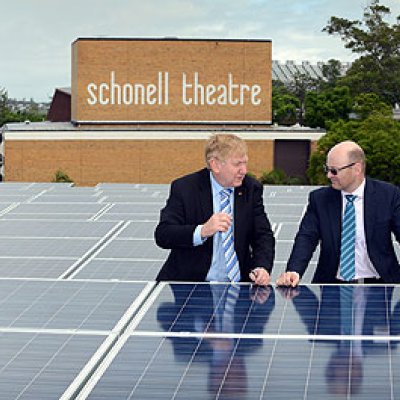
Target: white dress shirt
[(364, 267)]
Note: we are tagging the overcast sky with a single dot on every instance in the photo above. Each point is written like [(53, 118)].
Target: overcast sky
[(36, 35)]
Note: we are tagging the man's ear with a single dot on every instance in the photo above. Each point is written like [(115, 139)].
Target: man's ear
[(214, 165), (359, 168)]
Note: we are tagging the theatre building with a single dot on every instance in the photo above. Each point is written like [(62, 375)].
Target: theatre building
[(140, 110)]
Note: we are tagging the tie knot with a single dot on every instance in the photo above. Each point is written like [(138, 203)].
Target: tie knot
[(225, 193), (350, 197)]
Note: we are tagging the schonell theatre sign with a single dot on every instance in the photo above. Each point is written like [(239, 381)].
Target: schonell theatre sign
[(171, 81), (194, 92)]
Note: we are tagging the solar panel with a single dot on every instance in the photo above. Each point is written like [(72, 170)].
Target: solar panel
[(290, 349), (133, 248), (123, 269), (42, 366), (32, 228), (46, 247), (81, 316), (180, 368), (52, 332), (62, 304), (57, 197), (139, 229), (19, 267)]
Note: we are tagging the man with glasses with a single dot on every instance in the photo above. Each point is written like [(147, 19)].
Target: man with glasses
[(353, 221)]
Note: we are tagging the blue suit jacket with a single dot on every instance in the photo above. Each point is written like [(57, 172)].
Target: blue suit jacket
[(190, 204), (321, 225)]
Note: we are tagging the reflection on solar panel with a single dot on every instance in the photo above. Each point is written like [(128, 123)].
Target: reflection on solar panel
[(81, 316), (273, 343)]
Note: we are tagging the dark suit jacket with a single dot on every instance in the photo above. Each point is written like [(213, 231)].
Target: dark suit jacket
[(322, 315), (321, 224), (190, 204)]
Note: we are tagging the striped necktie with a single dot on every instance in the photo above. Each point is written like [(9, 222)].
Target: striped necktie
[(346, 309), (232, 264), (348, 241), (231, 299)]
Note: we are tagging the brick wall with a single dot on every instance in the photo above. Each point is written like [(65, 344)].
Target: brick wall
[(88, 162), (140, 61)]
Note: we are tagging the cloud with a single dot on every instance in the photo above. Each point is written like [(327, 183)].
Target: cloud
[(37, 35)]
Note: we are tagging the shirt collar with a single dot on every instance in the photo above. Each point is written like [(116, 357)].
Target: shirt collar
[(215, 185), (359, 192)]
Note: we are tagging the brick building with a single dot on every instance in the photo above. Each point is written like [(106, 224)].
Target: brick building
[(141, 110)]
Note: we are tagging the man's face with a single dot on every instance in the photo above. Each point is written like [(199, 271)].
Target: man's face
[(346, 179), (231, 172)]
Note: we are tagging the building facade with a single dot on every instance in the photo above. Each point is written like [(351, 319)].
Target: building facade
[(141, 110)]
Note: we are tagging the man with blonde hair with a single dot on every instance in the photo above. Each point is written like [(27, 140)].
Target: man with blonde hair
[(353, 221), (214, 221)]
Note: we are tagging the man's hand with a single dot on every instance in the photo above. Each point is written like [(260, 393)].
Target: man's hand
[(260, 294), (288, 279), (260, 276), (288, 292), (218, 222)]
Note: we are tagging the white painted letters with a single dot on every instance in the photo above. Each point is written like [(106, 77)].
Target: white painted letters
[(196, 91)]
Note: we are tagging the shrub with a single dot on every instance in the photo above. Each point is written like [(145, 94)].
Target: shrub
[(378, 135), (279, 177), (61, 176)]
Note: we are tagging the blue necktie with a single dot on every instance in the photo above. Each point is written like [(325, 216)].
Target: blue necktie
[(346, 309), (231, 298), (348, 242), (232, 264)]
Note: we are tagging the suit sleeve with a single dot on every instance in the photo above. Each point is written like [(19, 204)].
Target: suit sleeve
[(306, 240), (396, 215), (263, 241), (173, 231)]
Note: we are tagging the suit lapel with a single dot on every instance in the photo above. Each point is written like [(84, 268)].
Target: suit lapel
[(370, 207), (335, 218), (205, 197), (240, 201)]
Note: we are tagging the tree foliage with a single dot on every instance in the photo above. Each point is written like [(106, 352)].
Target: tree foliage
[(378, 43), (7, 115), (331, 104), (279, 177), (61, 176), (299, 87), (378, 135), (284, 105), (331, 72), (367, 104)]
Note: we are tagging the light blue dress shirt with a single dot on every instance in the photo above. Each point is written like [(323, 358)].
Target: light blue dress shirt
[(217, 270)]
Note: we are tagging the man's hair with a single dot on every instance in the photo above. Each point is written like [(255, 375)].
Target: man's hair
[(357, 155), (221, 146)]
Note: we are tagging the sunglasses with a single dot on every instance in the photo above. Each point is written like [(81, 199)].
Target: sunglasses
[(335, 171)]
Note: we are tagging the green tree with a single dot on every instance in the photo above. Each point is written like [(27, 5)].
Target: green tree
[(366, 104), (7, 115), (298, 87), (331, 104), (279, 177), (378, 135), (5, 112), (284, 105), (331, 72), (378, 43)]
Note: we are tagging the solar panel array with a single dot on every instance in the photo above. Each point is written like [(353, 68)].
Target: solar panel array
[(81, 315)]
